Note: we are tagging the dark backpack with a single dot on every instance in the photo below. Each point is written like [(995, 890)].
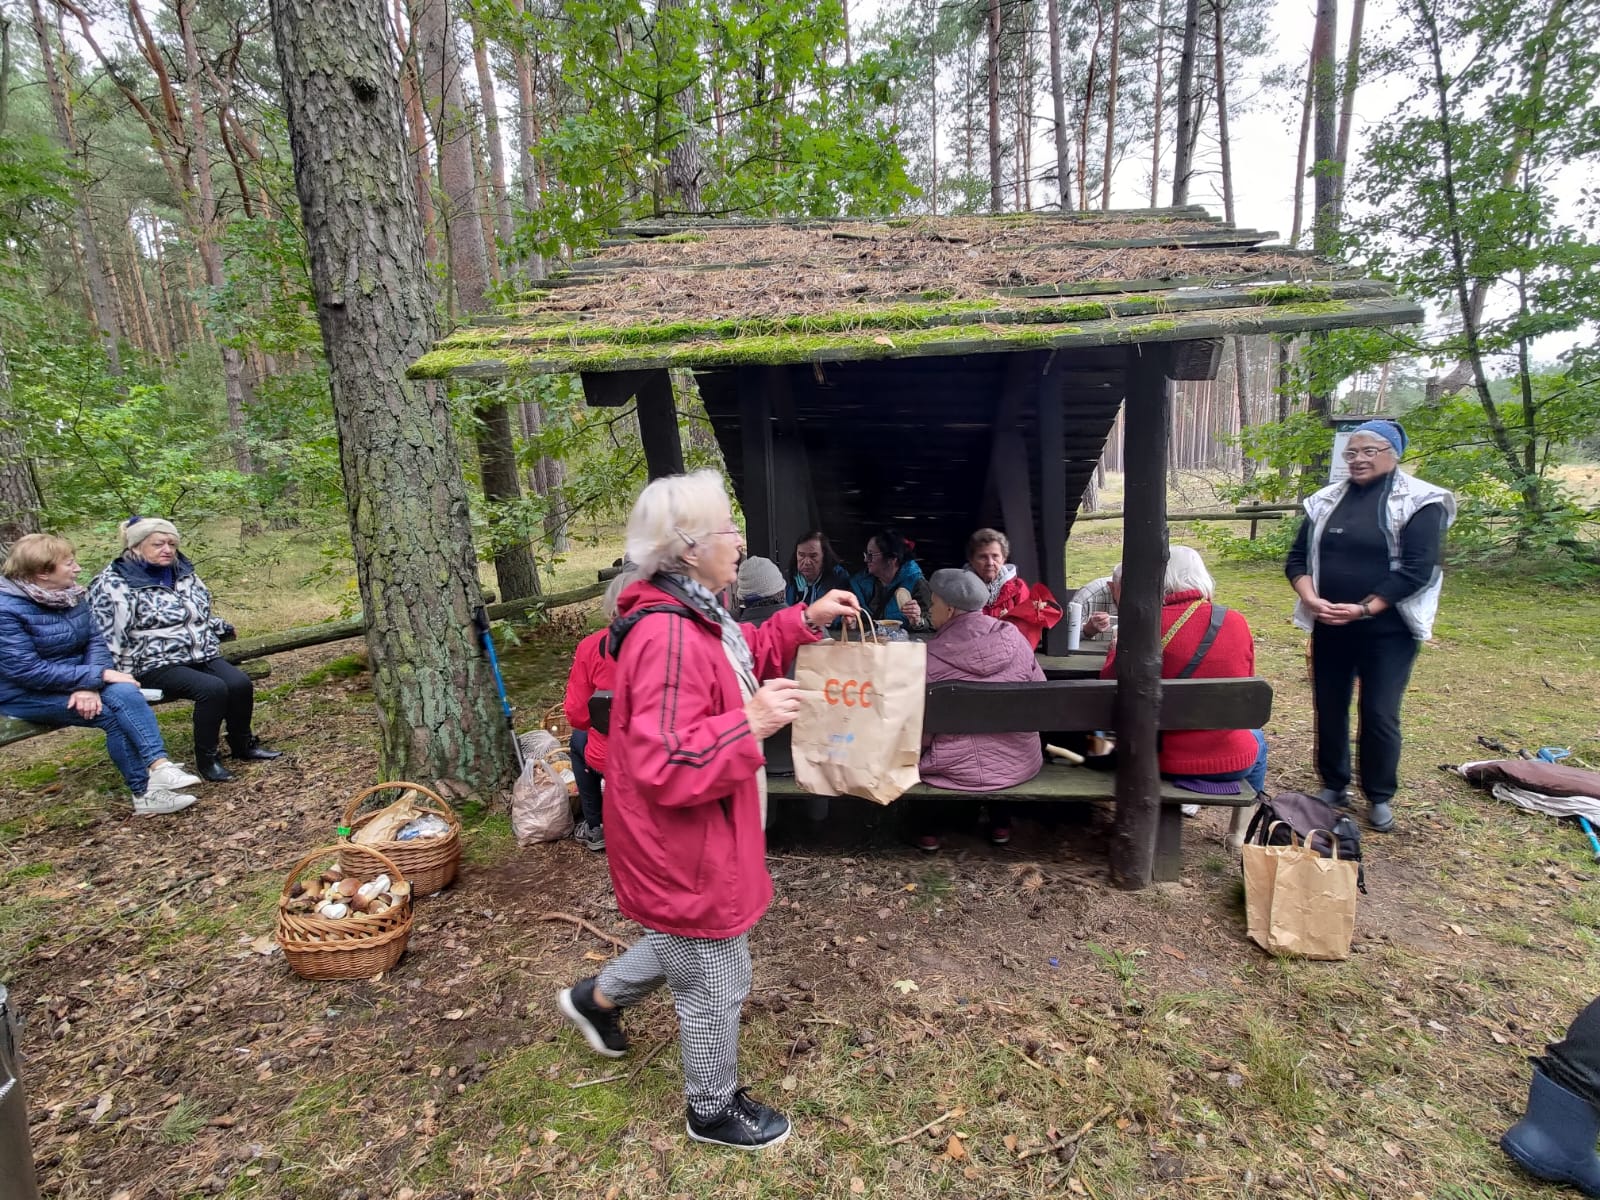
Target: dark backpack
[(621, 626), (1312, 821)]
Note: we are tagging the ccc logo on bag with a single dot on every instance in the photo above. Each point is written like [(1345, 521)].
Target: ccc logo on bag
[(849, 692)]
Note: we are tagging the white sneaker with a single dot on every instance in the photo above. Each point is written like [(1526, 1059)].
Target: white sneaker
[(1191, 810), (172, 777), (158, 802)]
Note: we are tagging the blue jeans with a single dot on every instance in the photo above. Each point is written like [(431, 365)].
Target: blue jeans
[(133, 740), (1255, 774), (588, 780)]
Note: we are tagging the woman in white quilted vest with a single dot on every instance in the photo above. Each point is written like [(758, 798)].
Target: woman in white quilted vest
[(1365, 565), (156, 616)]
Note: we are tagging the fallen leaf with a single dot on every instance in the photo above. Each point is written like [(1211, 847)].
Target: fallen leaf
[(1010, 1142), (1123, 1123), (1075, 1186), (789, 1083), (101, 1109), (954, 1149), (596, 956), (1434, 1025), (971, 1173), (455, 1014), (265, 944), (883, 341), (613, 1191), (550, 1135), (905, 985), (858, 1185), (1393, 1150), (1175, 952)]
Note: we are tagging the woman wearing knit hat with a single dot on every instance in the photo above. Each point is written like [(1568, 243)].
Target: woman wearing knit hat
[(759, 589), (156, 616), (1365, 565)]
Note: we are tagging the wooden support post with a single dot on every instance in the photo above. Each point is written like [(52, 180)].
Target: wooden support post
[(1008, 462), (755, 430), (794, 499), (1053, 499), (658, 426), (1144, 562)]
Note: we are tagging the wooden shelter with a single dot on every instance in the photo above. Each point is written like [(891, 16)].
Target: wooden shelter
[(933, 375)]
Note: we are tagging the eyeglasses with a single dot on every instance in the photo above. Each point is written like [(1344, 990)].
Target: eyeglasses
[(1366, 452), (738, 533), (871, 556)]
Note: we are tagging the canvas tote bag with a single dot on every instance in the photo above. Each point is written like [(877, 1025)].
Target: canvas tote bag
[(860, 731), (1298, 903)]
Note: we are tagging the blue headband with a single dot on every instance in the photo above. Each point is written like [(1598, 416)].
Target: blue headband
[(1389, 431)]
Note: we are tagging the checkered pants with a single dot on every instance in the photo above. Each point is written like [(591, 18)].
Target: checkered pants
[(709, 979)]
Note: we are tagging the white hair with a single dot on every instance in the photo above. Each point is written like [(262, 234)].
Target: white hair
[(625, 575), (1186, 572), (670, 515)]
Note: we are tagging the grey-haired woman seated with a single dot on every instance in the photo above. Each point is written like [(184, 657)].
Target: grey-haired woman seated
[(55, 670)]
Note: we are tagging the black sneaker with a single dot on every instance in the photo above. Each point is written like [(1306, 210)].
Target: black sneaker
[(601, 1027), (745, 1124)]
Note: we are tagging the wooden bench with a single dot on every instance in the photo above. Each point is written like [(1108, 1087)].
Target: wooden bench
[(14, 730), (1070, 705)]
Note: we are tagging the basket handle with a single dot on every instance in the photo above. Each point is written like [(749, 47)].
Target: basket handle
[(342, 848), (862, 616), (441, 806)]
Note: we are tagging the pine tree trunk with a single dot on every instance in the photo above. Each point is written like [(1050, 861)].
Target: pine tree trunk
[(19, 490), (684, 167), (1222, 115), (417, 130), (237, 379), (101, 301), (445, 103), (1298, 224), (483, 205), (530, 166), (1090, 75), (439, 717), (1182, 166), (1347, 104), (996, 197), (933, 110), (1058, 105), (491, 137), (1111, 103), (1160, 89), (1324, 93)]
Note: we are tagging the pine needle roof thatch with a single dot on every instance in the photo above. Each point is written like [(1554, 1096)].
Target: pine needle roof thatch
[(703, 293)]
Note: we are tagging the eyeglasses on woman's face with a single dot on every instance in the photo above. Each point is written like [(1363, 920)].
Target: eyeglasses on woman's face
[(1364, 452)]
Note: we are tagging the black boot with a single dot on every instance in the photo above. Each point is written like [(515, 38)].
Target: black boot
[(250, 749), (1555, 1141), (209, 764)]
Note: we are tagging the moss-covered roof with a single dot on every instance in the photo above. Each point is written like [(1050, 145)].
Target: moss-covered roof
[(721, 293)]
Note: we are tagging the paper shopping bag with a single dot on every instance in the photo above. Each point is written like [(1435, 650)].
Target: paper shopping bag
[(1298, 903), (860, 733)]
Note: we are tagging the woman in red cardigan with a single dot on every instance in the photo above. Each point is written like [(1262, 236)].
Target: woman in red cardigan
[(593, 670), (1202, 640)]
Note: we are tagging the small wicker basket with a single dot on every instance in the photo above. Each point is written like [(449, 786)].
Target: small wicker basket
[(429, 863), (357, 946), (555, 720)]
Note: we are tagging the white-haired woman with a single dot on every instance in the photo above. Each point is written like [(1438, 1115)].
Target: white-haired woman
[(695, 693), (156, 617), (1203, 640), (593, 670)]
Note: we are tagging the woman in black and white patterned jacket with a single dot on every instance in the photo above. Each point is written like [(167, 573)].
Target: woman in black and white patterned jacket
[(156, 616)]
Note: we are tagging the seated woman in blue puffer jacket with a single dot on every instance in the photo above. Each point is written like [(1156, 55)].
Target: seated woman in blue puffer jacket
[(55, 670)]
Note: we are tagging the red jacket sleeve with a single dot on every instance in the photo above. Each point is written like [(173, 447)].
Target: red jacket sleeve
[(681, 751), (580, 682), (773, 642)]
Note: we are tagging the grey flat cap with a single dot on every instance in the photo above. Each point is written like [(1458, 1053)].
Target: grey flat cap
[(960, 589)]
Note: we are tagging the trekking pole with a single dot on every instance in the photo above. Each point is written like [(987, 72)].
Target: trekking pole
[(1593, 841), (480, 619)]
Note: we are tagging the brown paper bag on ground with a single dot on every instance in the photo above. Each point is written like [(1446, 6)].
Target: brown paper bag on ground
[(860, 731), (1298, 903)]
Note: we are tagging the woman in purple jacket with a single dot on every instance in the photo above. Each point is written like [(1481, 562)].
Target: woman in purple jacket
[(971, 646)]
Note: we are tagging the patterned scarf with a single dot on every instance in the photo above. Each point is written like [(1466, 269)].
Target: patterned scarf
[(733, 643), (1007, 574), (67, 597)]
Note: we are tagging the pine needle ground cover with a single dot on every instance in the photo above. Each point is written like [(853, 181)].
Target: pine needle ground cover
[(986, 1022)]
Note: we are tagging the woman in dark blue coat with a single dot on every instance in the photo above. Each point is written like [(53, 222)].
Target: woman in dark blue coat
[(55, 670)]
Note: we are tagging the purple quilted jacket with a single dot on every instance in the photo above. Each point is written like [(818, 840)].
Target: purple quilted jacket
[(975, 647)]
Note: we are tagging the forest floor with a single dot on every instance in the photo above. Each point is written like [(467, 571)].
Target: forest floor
[(984, 1022)]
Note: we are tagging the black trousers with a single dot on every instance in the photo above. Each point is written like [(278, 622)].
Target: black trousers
[(1574, 1062), (1380, 653), (220, 691)]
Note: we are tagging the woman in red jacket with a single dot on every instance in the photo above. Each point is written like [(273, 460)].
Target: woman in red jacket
[(1032, 609), (592, 671), (686, 847), (1202, 640)]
